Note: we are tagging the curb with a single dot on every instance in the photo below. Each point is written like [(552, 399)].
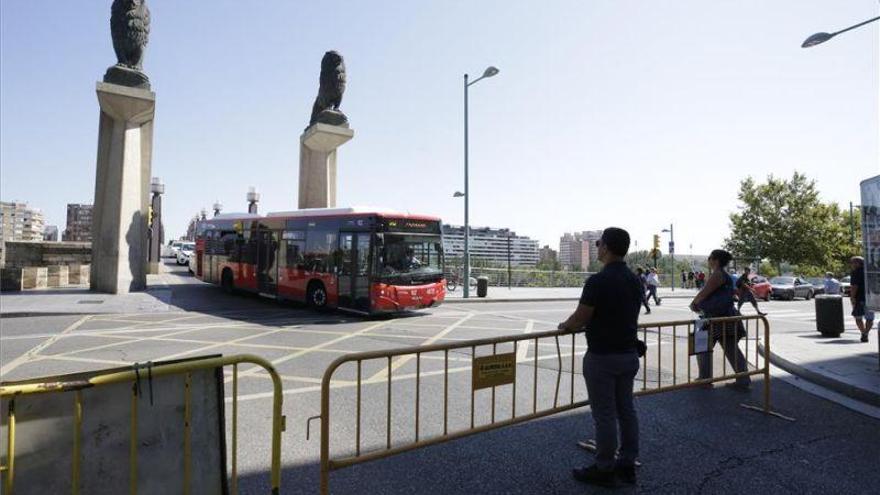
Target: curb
[(846, 389), (477, 300), (474, 300)]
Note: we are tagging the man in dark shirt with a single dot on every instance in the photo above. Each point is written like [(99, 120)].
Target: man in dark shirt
[(609, 309), (857, 297)]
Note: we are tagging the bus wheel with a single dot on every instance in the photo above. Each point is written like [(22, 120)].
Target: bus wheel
[(316, 296), (227, 282)]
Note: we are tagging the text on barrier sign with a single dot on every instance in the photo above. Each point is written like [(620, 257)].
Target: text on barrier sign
[(494, 370)]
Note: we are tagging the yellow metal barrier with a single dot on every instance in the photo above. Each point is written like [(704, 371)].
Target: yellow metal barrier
[(498, 369), (10, 392)]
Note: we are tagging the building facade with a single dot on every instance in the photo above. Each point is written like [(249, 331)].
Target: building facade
[(20, 223), (547, 255), (50, 233), (491, 245), (578, 250), (79, 223)]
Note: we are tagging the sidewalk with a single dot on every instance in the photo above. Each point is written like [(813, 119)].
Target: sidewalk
[(537, 294), (80, 300), (842, 364)]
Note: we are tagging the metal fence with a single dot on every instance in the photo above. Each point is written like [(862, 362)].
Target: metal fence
[(494, 364), (11, 392)]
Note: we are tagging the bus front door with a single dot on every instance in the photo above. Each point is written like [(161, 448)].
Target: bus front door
[(267, 263), (354, 281)]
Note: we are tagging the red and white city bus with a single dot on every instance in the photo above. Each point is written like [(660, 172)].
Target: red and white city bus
[(362, 260)]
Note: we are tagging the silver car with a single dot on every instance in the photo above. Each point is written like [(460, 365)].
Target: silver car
[(791, 287)]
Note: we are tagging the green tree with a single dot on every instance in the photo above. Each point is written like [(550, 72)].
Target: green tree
[(784, 220)]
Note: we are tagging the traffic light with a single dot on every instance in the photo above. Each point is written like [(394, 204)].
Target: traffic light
[(656, 241)]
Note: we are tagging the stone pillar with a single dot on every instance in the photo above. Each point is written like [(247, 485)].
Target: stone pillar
[(122, 189), (317, 164)]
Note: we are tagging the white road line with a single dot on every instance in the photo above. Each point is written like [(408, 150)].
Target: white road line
[(15, 363), (523, 350), (295, 355), (400, 361)]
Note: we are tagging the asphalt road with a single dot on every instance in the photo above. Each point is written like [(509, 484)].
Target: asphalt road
[(693, 441)]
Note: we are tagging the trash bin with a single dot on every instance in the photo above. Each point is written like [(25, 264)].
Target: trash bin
[(829, 315), (482, 286)]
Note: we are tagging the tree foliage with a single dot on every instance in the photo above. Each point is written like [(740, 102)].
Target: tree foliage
[(785, 221)]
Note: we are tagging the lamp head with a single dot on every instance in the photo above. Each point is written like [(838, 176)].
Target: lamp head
[(458, 194), (490, 71), (816, 39)]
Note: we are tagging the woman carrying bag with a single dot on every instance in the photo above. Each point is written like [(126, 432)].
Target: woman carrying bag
[(715, 300)]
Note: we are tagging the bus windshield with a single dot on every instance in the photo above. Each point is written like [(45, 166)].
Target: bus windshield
[(410, 256)]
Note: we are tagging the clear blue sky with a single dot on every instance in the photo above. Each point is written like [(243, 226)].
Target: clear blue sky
[(631, 113)]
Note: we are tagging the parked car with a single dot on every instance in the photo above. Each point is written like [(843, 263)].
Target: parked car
[(186, 250), (761, 287), (790, 287), (175, 248), (818, 284), (844, 285)]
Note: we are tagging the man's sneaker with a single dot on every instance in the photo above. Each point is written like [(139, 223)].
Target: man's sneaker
[(625, 474), (865, 337), (594, 476), (659, 301), (647, 311)]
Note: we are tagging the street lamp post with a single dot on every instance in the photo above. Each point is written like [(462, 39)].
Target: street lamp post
[(218, 206), (489, 72), (155, 227), (672, 255), (823, 37), (253, 197)]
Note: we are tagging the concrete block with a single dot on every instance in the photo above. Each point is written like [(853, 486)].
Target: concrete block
[(317, 164), (122, 189), (34, 277), (10, 279), (78, 274), (56, 276)]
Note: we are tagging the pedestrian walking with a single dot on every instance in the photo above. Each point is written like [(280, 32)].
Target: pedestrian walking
[(831, 284), (690, 280), (684, 279), (641, 275), (701, 279), (609, 309), (863, 316), (652, 281), (745, 292), (715, 300)]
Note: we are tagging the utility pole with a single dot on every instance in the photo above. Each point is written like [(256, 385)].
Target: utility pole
[(852, 227), (509, 273)]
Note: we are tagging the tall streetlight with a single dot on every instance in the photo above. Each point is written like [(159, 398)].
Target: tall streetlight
[(489, 72), (155, 227), (672, 255), (218, 207), (253, 197), (823, 37)]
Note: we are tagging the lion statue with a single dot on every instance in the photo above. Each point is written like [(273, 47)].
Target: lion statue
[(330, 90), (130, 30)]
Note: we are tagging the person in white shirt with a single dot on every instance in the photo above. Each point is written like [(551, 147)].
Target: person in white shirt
[(832, 286), (653, 281)]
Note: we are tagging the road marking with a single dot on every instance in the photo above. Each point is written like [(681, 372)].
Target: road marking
[(400, 361), (523, 350), (15, 363), (308, 350)]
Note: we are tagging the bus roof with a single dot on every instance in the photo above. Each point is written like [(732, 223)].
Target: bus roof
[(353, 210)]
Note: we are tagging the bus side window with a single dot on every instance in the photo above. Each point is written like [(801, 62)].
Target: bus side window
[(319, 244), (294, 244)]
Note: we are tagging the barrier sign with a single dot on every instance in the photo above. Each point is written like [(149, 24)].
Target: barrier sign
[(494, 370)]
